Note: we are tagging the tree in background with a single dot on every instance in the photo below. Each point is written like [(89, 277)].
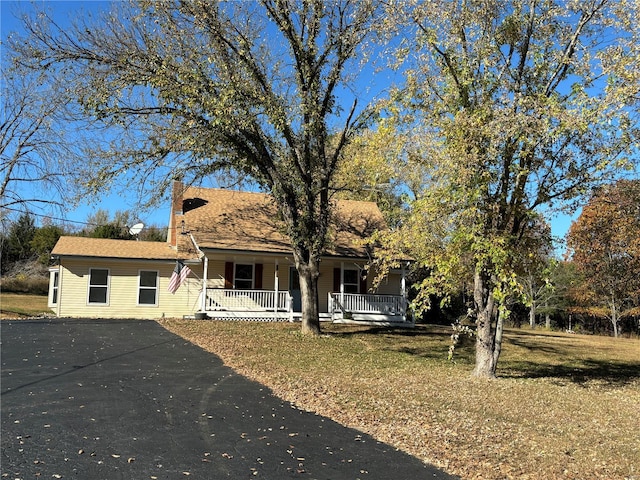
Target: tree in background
[(24, 243), (254, 89), (537, 267), (509, 108), (153, 233), (26, 255), (566, 280), (44, 239), (16, 243), (604, 245), (99, 225)]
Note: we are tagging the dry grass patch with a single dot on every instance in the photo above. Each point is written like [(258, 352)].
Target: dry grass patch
[(566, 406), (14, 305)]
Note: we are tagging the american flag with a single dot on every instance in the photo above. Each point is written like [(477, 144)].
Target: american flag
[(180, 273)]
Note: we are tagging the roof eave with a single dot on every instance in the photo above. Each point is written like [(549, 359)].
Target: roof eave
[(83, 256)]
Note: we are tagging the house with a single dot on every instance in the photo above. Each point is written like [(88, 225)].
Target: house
[(239, 266)]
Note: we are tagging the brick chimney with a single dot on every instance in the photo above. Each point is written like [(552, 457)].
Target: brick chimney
[(175, 220)]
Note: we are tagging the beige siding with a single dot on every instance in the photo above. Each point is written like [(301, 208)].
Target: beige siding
[(216, 274), (123, 291), (268, 277), (390, 285), (283, 275), (325, 285)]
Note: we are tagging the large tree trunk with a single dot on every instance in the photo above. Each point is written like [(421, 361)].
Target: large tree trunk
[(309, 273), (487, 349), (307, 229)]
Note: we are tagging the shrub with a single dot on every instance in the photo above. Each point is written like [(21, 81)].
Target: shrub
[(22, 284)]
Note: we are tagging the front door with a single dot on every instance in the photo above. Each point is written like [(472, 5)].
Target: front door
[(294, 289)]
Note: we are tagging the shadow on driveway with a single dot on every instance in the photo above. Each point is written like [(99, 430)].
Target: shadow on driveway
[(128, 400)]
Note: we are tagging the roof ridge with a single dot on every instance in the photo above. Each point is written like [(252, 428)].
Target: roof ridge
[(113, 239)]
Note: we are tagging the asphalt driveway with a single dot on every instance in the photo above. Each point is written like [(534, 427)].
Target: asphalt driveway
[(105, 399)]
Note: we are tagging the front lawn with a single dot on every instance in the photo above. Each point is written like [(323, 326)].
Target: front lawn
[(565, 406), (17, 305)]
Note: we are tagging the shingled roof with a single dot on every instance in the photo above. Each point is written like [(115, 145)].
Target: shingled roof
[(221, 219), (247, 221), (108, 248)]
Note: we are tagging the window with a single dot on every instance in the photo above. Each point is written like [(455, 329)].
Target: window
[(243, 279), (351, 281), (148, 287), (98, 286), (55, 280)]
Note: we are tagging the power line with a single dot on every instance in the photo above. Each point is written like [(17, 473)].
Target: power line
[(51, 217)]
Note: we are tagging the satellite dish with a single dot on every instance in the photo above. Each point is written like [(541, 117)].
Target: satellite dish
[(136, 229)]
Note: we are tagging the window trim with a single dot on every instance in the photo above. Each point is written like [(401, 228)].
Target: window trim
[(54, 291), (107, 287), (253, 275), (155, 288)]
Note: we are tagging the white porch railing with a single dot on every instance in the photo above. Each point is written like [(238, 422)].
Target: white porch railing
[(367, 303), (247, 300)]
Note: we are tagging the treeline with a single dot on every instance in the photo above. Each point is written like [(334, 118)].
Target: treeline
[(595, 288), (559, 305), (26, 247)]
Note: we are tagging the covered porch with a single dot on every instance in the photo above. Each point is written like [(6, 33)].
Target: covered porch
[(278, 306), (266, 287)]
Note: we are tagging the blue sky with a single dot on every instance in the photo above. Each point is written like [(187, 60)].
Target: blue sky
[(63, 11)]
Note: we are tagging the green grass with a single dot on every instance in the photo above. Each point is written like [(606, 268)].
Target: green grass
[(565, 406), (19, 305)]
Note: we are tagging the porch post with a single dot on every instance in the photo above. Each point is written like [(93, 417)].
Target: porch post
[(205, 271), (275, 287), (342, 286), (403, 292)]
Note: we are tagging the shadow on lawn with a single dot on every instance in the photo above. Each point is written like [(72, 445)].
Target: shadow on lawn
[(435, 347), (614, 374), (583, 371), (537, 346), (417, 331), (577, 367)]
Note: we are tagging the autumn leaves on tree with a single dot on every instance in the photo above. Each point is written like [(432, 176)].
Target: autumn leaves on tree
[(503, 117), (605, 247)]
